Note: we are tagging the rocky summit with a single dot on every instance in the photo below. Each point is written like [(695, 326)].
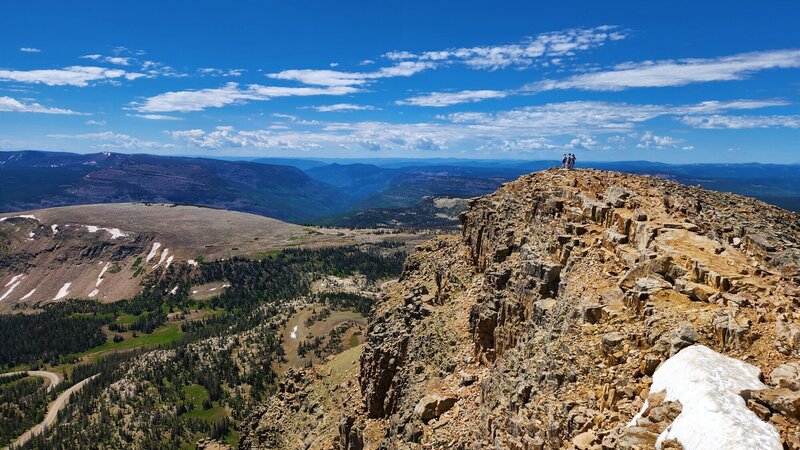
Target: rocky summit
[(578, 309)]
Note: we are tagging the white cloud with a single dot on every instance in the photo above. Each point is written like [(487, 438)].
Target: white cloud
[(327, 77), (541, 49), (650, 140), (366, 62), (8, 104), (231, 93), (111, 140), (440, 99), (741, 122), (583, 142), (99, 123), (343, 107), (118, 60), (79, 76), (155, 117), (592, 117), (675, 72), (214, 72), (30, 50)]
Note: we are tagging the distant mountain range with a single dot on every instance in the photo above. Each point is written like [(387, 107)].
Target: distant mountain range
[(31, 180), (323, 190)]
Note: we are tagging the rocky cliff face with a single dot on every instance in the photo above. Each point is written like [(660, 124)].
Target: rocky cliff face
[(543, 325)]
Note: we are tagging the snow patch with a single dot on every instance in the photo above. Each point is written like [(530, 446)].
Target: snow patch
[(192, 262), (152, 254), (28, 295), (54, 227), (23, 216), (14, 283), (114, 232), (100, 277), (63, 292), (708, 385), (293, 335), (94, 293), (162, 259), (14, 279), (174, 290), (169, 261)]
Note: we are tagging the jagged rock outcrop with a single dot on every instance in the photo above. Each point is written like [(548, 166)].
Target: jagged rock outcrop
[(545, 321)]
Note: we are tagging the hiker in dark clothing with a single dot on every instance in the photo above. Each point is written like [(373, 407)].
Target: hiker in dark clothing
[(572, 161), (564, 161)]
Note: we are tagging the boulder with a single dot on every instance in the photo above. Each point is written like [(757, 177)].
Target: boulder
[(787, 376), (585, 441), (432, 406), (779, 400)]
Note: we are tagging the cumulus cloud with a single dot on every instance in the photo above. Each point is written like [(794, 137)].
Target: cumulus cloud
[(529, 129), (582, 143), (30, 50), (230, 93), (340, 107), (8, 104), (441, 99), (650, 140), (675, 72), (99, 123), (79, 76), (741, 122)]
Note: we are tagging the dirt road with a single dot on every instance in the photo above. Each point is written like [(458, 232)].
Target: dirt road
[(52, 412), (53, 378)]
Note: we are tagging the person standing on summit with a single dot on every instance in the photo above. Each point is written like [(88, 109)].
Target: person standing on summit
[(564, 161), (572, 161)]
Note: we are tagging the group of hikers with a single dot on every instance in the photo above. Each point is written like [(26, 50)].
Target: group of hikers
[(568, 161)]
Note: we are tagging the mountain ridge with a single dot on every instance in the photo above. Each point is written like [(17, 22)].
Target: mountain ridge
[(546, 322)]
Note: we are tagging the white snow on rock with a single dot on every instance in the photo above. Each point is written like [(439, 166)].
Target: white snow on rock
[(169, 261), (54, 227), (31, 235), (13, 283), (114, 232), (23, 216), (94, 293), (708, 385), (152, 254), (14, 279), (63, 292), (162, 259), (102, 272), (28, 295), (174, 290), (192, 262), (293, 335)]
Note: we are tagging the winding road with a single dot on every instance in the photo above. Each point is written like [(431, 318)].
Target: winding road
[(54, 407), (53, 378)]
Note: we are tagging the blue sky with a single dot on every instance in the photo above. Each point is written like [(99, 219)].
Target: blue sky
[(674, 81)]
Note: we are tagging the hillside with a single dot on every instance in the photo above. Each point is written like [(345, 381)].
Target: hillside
[(33, 180), (104, 251), (578, 309)]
